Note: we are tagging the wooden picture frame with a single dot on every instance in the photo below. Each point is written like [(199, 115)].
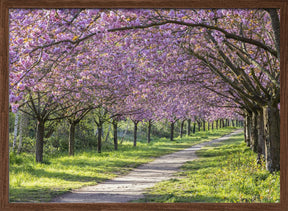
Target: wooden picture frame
[(5, 5)]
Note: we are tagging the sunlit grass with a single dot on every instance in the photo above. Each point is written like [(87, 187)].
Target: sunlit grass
[(34, 182), (226, 172)]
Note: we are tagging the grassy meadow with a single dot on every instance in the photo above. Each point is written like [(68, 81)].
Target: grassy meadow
[(60, 173), (225, 172)]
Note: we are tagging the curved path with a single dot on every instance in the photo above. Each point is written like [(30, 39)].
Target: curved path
[(133, 185)]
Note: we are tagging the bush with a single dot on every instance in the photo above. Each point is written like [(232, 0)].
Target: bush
[(15, 159)]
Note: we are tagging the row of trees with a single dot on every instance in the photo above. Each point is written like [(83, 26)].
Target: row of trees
[(48, 123), (85, 134), (149, 64)]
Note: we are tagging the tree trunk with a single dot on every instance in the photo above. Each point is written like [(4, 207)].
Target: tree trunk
[(172, 131), (194, 127), (72, 138), (135, 133), (188, 127), (182, 128), (248, 129), (102, 132), (245, 130), (276, 28), (149, 131), (40, 140), (95, 128), (212, 125), (204, 125), (15, 130), (22, 121), (217, 124), (199, 125), (271, 119), (115, 138), (261, 138), (254, 132), (99, 142), (208, 125)]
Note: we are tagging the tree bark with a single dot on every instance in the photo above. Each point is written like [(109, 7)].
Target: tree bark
[(149, 131), (208, 125), (261, 138), (217, 124), (194, 127), (71, 138), (115, 138), (99, 142), (221, 123), (248, 129), (271, 119), (182, 128), (204, 125), (22, 121), (172, 131), (16, 123), (212, 125), (40, 140), (188, 127), (135, 133), (199, 125), (245, 130), (254, 132), (276, 28)]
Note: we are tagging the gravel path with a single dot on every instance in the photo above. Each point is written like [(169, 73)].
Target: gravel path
[(133, 185)]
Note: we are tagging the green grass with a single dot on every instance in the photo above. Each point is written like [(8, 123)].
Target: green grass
[(34, 182), (226, 172)]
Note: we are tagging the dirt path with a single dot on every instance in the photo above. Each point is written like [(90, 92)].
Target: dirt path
[(133, 185)]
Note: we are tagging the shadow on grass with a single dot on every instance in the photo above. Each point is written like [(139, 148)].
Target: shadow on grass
[(34, 194), (172, 198), (61, 175), (121, 161)]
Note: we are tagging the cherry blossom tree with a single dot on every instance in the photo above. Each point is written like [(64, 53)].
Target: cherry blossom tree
[(190, 61)]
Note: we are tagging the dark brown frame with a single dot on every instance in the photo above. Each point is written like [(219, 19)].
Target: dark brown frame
[(4, 101)]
